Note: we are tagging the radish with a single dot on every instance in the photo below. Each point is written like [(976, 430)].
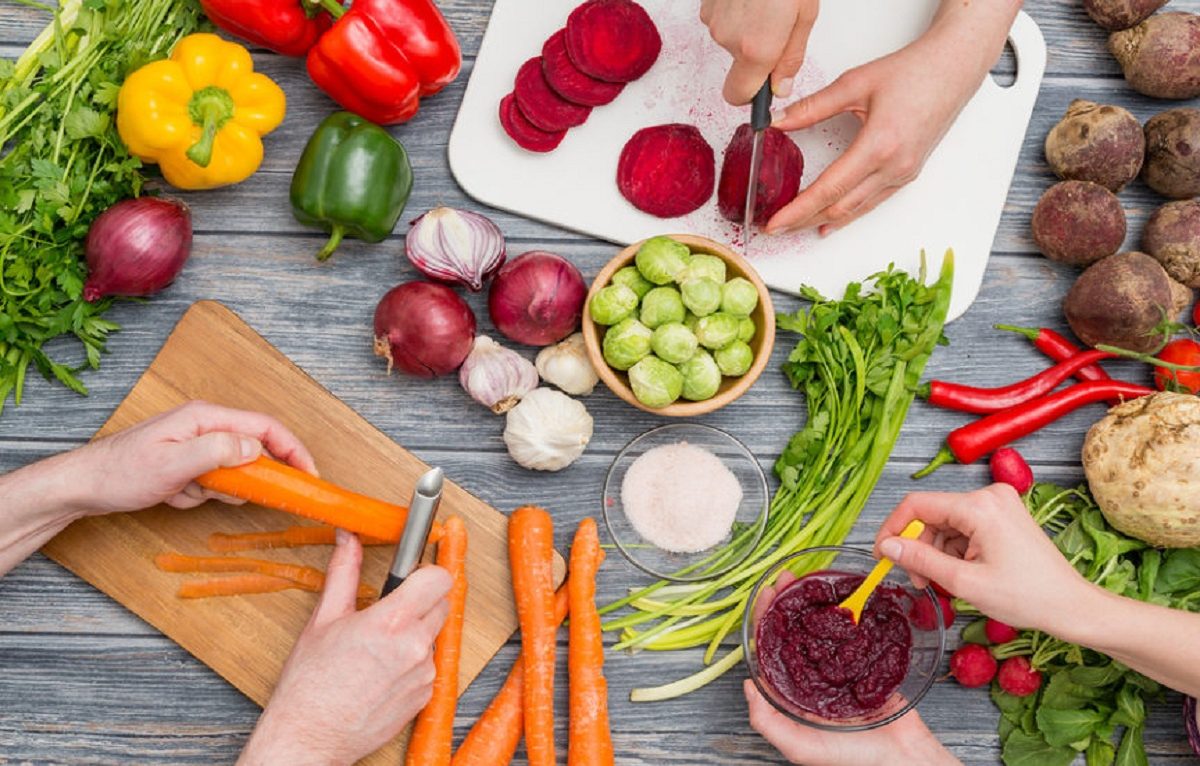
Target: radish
[(1018, 678), (923, 617), (973, 665), (999, 632), (1008, 467)]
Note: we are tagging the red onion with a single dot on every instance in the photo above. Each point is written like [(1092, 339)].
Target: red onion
[(137, 247), (455, 246), (537, 298), (423, 328)]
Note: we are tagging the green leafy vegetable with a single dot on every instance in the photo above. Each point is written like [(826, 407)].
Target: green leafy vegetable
[(62, 164)]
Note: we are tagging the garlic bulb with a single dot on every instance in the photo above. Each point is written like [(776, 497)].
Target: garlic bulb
[(567, 366), (495, 376), (548, 430)]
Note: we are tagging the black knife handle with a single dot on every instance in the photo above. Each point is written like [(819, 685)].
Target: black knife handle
[(760, 108), (390, 584)]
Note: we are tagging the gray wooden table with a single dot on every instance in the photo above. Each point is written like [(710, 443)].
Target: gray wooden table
[(84, 681)]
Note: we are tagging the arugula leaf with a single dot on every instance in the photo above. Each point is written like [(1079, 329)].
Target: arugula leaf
[(1022, 749)]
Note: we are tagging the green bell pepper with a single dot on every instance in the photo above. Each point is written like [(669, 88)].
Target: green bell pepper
[(353, 179)]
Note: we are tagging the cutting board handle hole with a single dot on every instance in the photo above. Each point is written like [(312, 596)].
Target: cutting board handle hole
[(1004, 72)]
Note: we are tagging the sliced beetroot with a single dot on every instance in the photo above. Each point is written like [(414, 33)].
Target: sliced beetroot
[(568, 81), (538, 101), (525, 133), (612, 40), (667, 170), (778, 177)]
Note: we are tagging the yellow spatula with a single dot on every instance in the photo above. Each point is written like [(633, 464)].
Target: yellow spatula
[(858, 599)]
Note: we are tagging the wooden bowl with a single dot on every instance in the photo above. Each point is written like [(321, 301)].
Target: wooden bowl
[(731, 388)]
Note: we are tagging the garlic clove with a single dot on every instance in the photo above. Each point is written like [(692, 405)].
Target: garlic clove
[(567, 366), (495, 376)]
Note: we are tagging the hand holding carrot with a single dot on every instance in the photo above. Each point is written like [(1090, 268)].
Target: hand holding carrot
[(354, 679)]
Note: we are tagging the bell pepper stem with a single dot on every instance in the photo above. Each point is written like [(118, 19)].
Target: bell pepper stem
[(332, 7), (943, 457), (210, 108), (335, 239)]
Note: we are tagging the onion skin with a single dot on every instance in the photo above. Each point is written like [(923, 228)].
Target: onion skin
[(137, 247), (537, 298), (424, 329)]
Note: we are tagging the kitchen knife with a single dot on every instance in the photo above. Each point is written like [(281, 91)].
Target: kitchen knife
[(427, 495), (760, 119)]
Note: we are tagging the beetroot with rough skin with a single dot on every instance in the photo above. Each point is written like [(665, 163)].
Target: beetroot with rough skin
[(541, 104), (612, 40), (574, 85), (667, 170), (778, 176), (526, 135)]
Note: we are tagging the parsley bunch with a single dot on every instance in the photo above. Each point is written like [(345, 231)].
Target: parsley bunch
[(62, 164)]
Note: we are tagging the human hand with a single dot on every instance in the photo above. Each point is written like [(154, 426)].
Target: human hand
[(157, 460), (767, 38), (907, 740), (354, 680), (985, 547)]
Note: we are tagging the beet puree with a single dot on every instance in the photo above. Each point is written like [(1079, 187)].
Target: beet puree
[(815, 657)]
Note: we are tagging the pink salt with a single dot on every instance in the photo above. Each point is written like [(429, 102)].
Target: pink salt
[(681, 498)]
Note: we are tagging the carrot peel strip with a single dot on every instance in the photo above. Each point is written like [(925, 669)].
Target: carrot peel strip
[(238, 585)]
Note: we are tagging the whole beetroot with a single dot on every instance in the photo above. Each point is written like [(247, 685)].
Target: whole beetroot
[(1161, 56), (1078, 223), (1173, 153), (1172, 236), (1103, 144), (1120, 301), (1121, 14)]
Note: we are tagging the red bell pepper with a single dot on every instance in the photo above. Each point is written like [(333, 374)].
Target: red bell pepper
[(289, 27), (381, 56)]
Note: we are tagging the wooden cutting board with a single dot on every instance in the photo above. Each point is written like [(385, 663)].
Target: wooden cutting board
[(213, 355)]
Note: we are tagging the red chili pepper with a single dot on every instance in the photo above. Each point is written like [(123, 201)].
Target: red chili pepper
[(1058, 348), (953, 396), (381, 56), (289, 27), (974, 440)]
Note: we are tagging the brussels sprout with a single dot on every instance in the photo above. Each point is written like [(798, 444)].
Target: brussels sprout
[(704, 265), (717, 330), (612, 304), (661, 259), (690, 321), (661, 305), (673, 342), (738, 297), (746, 329), (655, 383), (735, 359), (633, 279), (701, 295), (626, 343), (701, 377)]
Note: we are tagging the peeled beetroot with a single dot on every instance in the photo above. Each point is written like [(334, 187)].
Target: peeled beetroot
[(573, 84), (667, 170), (778, 177), (523, 132), (612, 40), (541, 104)]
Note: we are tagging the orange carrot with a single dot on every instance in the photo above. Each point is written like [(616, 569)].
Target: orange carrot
[(291, 537), (590, 741), (305, 578), (433, 735), (530, 552), (272, 484), (493, 740), (235, 586)]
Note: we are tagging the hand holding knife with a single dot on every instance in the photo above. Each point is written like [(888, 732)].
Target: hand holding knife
[(760, 120)]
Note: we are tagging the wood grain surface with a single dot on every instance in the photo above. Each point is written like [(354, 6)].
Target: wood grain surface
[(82, 680)]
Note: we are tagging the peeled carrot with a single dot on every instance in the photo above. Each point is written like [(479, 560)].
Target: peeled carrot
[(276, 485), (530, 552), (237, 585), (493, 740), (291, 537), (433, 735), (590, 740), (305, 577)]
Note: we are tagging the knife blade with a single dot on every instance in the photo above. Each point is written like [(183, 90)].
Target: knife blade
[(426, 498), (760, 119)]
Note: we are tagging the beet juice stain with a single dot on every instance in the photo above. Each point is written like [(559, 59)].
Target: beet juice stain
[(816, 658)]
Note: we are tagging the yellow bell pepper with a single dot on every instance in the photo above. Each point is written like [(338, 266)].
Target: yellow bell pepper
[(199, 114)]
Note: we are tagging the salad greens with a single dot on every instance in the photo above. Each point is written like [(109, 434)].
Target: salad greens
[(1087, 699), (62, 164), (858, 361)]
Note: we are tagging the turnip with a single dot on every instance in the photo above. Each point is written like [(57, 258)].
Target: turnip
[(1103, 144)]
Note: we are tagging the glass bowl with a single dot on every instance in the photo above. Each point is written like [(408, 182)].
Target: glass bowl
[(749, 522), (925, 655)]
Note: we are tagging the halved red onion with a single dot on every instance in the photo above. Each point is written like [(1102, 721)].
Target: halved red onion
[(456, 246)]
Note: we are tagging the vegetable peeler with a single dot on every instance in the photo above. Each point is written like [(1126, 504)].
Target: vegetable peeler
[(426, 498), (760, 119)]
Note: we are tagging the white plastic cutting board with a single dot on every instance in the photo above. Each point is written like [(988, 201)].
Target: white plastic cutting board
[(956, 202)]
